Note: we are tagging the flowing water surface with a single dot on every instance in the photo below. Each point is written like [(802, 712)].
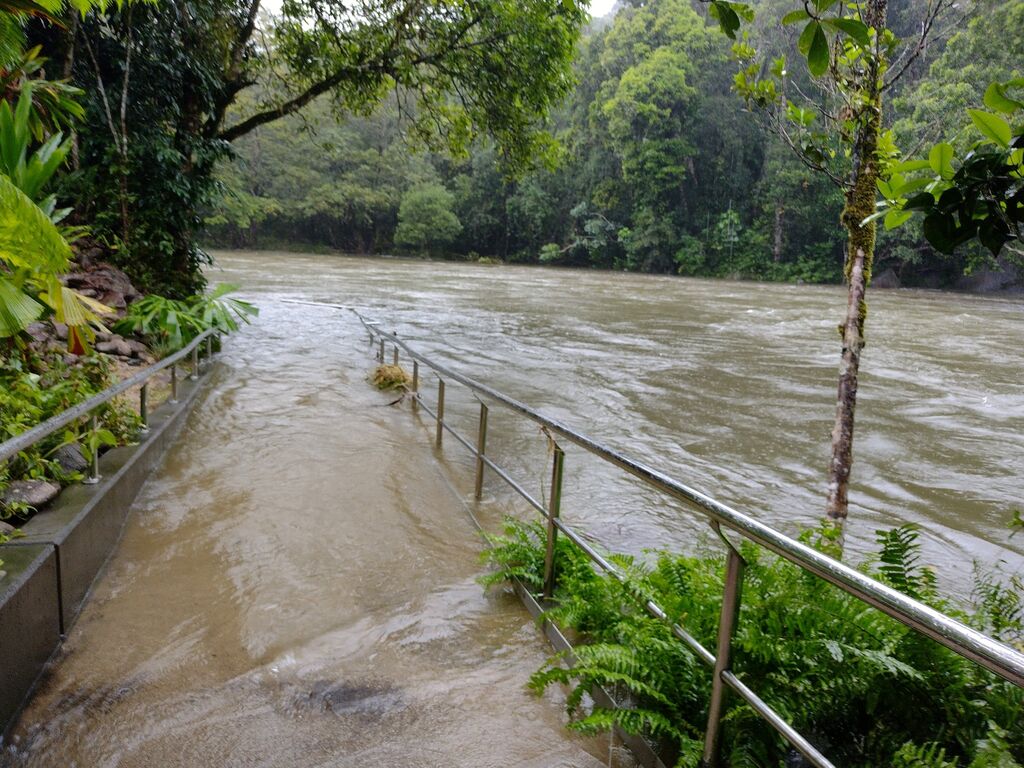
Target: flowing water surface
[(727, 386), (296, 583)]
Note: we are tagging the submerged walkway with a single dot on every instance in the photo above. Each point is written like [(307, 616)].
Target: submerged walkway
[(296, 587)]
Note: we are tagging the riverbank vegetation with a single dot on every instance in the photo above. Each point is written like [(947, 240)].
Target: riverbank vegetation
[(663, 167), (865, 689), (171, 88)]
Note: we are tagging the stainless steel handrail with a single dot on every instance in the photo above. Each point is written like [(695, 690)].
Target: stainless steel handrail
[(32, 436), (997, 657)]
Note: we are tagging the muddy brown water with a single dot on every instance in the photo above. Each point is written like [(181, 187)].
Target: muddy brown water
[(296, 582)]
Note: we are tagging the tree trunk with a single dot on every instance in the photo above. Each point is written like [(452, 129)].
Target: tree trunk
[(846, 403), (860, 253)]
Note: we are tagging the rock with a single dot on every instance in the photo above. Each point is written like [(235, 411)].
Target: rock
[(139, 349), (71, 458), (116, 346), (40, 332), (1004, 277), (114, 300), (34, 493), (103, 282), (6, 529), (103, 336), (887, 279), (61, 331), (89, 256)]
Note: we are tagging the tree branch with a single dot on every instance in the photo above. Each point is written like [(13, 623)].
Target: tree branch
[(242, 41), (103, 94), (291, 105), (926, 27)]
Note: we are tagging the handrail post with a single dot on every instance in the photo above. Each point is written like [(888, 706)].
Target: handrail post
[(723, 658), (394, 358), (195, 363), (144, 407), (554, 509), (481, 446), (380, 353), (440, 412), (209, 348), (174, 383), (94, 461), (415, 384)]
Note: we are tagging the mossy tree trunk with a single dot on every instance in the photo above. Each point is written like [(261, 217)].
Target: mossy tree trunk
[(860, 252)]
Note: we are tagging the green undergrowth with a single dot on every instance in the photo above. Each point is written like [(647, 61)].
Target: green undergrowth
[(34, 389), (865, 689)]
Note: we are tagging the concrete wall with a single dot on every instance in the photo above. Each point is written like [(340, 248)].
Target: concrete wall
[(51, 570)]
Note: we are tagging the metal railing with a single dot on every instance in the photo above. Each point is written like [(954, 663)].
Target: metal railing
[(87, 408), (997, 657)]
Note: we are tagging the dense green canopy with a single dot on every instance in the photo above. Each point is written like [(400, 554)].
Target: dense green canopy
[(170, 85)]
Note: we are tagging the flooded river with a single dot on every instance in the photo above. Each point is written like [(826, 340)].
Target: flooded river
[(296, 583), (727, 386)]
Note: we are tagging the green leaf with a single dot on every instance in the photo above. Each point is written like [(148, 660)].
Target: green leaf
[(941, 160), (912, 186), (17, 309), (806, 37), (818, 56), (28, 239), (939, 229), (852, 28), (896, 218), (744, 10), (912, 165), (799, 115), (996, 98), (727, 18), (993, 126), (794, 16), (993, 234)]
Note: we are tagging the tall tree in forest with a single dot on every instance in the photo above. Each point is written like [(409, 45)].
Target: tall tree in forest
[(168, 75), (855, 59)]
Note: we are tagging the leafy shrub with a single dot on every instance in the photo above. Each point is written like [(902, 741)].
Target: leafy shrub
[(549, 252), (866, 689), (33, 390), (170, 324)]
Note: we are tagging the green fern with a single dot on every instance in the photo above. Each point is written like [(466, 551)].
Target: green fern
[(993, 751), (875, 692), (518, 554), (900, 565), (999, 603), (922, 756)]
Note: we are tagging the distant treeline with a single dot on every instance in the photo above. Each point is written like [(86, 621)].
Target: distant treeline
[(662, 168)]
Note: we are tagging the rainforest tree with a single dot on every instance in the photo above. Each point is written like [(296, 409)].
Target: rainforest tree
[(165, 80), (838, 131)]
